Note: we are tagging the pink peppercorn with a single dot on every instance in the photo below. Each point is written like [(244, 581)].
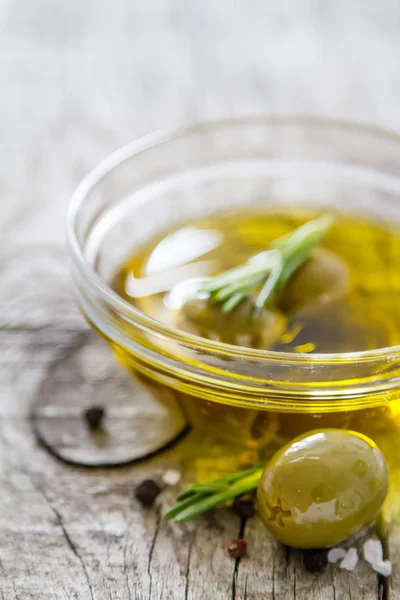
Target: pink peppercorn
[(237, 548)]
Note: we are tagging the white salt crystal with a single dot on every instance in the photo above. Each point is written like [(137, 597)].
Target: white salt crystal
[(383, 567), (350, 561), (373, 552), (171, 477), (336, 554)]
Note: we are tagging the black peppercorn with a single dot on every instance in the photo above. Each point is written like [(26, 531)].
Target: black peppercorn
[(147, 492), (315, 561), (94, 416), (244, 506)]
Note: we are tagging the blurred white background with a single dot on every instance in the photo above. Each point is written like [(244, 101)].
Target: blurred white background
[(78, 78)]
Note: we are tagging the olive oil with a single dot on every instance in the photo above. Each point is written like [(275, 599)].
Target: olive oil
[(160, 277), (347, 300)]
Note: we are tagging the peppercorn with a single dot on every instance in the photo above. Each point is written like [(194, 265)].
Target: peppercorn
[(244, 506), (237, 548), (315, 561), (146, 492), (94, 416)]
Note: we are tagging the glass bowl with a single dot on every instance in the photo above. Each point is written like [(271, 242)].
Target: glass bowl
[(256, 398)]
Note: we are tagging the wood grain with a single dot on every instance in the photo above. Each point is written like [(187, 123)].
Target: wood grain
[(79, 78)]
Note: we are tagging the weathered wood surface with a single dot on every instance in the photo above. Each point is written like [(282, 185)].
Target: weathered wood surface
[(79, 78)]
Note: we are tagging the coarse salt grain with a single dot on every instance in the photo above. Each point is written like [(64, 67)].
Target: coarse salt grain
[(373, 551), (171, 477), (336, 554), (350, 561), (383, 567)]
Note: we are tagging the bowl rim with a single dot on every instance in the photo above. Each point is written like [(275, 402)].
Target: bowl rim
[(102, 289)]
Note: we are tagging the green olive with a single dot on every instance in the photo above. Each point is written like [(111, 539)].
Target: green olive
[(322, 488), (205, 318), (344, 325), (323, 277)]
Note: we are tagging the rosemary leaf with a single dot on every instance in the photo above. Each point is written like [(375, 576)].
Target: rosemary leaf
[(270, 269), (268, 287), (200, 497), (234, 300), (204, 504), (184, 505), (210, 487)]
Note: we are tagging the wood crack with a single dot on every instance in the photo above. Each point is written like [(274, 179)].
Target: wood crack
[(294, 581), (153, 543), (273, 577), (333, 583), (60, 523), (128, 527), (383, 582), (73, 547), (59, 518), (245, 588), (128, 590), (242, 529), (287, 557), (187, 572)]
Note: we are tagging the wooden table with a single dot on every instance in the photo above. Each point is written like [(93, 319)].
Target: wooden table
[(78, 78)]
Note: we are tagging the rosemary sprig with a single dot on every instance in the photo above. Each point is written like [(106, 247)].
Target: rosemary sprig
[(200, 497), (270, 270)]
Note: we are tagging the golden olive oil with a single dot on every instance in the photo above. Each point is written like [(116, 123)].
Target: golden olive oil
[(367, 316)]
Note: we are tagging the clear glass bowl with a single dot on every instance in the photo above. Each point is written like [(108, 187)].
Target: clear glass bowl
[(257, 398)]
